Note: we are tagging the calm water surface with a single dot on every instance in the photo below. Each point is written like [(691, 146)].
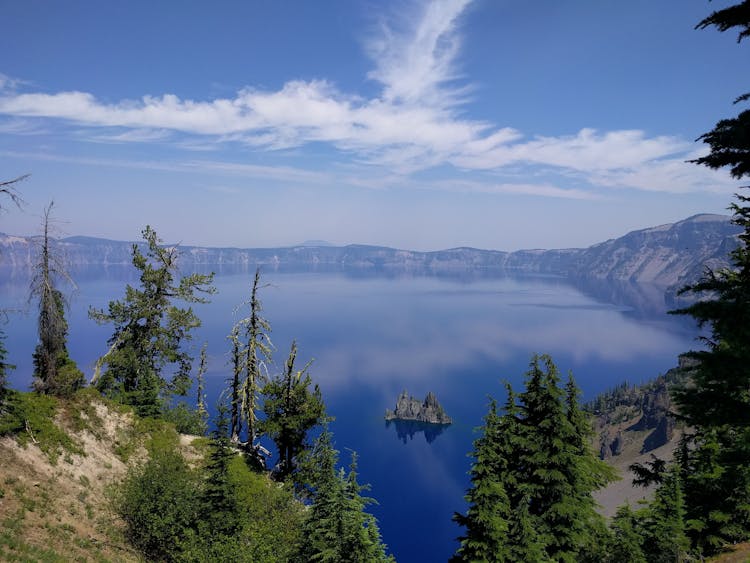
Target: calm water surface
[(373, 336)]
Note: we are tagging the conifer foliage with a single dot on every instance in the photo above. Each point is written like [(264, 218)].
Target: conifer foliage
[(533, 477), (716, 403), (54, 372), (338, 529), (292, 410), (150, 330)]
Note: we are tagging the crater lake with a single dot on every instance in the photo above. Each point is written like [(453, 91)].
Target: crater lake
[(372, 335)]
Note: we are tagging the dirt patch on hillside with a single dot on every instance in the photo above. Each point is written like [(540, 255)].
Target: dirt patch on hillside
[(63, 510)]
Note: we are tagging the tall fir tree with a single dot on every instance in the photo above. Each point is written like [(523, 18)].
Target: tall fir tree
[(665, 540), (338, 529), (221, 508), (487, 519), (533, 478), (626, 544), (54, 371), (716, 403), (150, 330), (562, 474)]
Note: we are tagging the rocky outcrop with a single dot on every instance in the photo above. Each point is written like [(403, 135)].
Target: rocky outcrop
[(639, 414), (427, 411)]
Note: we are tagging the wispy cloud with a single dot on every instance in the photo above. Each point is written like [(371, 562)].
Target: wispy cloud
[(413, 124)]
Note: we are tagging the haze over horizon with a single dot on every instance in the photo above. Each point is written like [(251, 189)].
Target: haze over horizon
[(423, 126)]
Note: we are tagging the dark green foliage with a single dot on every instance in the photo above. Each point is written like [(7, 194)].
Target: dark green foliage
[(665, 540), (626, 545), (561, 470), (54, 372), (533, 478), (338, 529), (219, 511), (5, 367), (219, 497), (732, 16), (716, 403), (185, 418), (150, 331), (159, 505), (489, 514), (292, 410)]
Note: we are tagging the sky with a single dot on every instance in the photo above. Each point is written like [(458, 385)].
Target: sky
[(412, 124)]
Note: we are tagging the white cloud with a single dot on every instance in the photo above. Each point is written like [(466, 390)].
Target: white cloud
[(416, 65), (412, 125)]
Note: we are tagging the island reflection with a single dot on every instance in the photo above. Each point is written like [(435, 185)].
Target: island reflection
[(407, 429)]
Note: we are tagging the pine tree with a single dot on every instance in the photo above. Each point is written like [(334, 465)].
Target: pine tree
[(626, 545), (5, 367), (150, 330), (487, 519), (54, 372), (221, 510), (533, 478), (338, 529), (292, 410), (562, 473), (235, 403), (715, 403), (665, 539)]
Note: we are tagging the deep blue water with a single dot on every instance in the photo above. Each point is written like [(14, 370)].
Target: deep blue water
[(373, 335)]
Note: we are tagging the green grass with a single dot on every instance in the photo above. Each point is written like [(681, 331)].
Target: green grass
[(30, 417)]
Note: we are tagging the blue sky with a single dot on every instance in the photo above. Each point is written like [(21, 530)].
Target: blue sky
[(422, 125)]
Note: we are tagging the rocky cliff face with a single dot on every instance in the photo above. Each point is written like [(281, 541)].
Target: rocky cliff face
[(410, 408), (643, 413), (669, 255)]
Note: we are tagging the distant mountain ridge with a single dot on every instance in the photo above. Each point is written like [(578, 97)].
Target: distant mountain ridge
[(668, 255)]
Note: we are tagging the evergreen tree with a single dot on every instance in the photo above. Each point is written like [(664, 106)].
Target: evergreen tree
[(5, 367), (291, 410), (221, 511), (150, 330), (54, 372), (338, 529), (249, 360), (235, 404), (715, 403), (257, 350), (533, 478), (486, 521), (665, 539), (626, 545), (562, 473)]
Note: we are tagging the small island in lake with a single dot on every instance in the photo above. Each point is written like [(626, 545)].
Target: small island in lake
[(409, 408)]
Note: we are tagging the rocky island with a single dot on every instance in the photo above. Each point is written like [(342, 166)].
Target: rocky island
[(410, 408)]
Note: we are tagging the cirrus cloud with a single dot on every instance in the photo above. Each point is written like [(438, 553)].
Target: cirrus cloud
[(413, 124)]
